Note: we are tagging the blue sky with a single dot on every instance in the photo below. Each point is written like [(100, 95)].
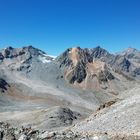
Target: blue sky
[(54, 25)]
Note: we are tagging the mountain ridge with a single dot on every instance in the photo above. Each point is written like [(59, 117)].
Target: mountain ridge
[(79, 67), (70, 92)]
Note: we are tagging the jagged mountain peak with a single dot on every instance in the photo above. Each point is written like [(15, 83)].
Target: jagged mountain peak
[(99, 52), (22, 59), (27, 51), (132, 54), (129, 51), (78, 56), (99, 48), (9, 48), (85, 66), (72, 56), (33, 50), (80, 53)]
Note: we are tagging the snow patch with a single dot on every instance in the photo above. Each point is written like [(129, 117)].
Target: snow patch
[(43, 59), (52, 56)]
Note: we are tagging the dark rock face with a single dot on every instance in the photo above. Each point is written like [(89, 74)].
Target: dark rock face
[(98, 52), (137, 71), (125, 65), (1, 56), (109, 75), (79, 73), (121, 63), (104, 76), (32, 51), (64, 59), (3, 85), (128, 62), (8, 52)]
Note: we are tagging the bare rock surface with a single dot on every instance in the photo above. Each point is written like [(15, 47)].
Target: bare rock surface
[(121, 118), (83, 94)]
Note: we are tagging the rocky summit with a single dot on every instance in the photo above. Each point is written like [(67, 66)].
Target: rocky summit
[(82, 94)]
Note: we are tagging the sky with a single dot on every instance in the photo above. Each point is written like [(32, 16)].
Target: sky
[(55, 25)]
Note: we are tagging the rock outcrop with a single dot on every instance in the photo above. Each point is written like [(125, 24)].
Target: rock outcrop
[(3, 85)]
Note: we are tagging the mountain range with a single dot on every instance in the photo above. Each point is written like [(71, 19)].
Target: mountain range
[(89, 92)]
